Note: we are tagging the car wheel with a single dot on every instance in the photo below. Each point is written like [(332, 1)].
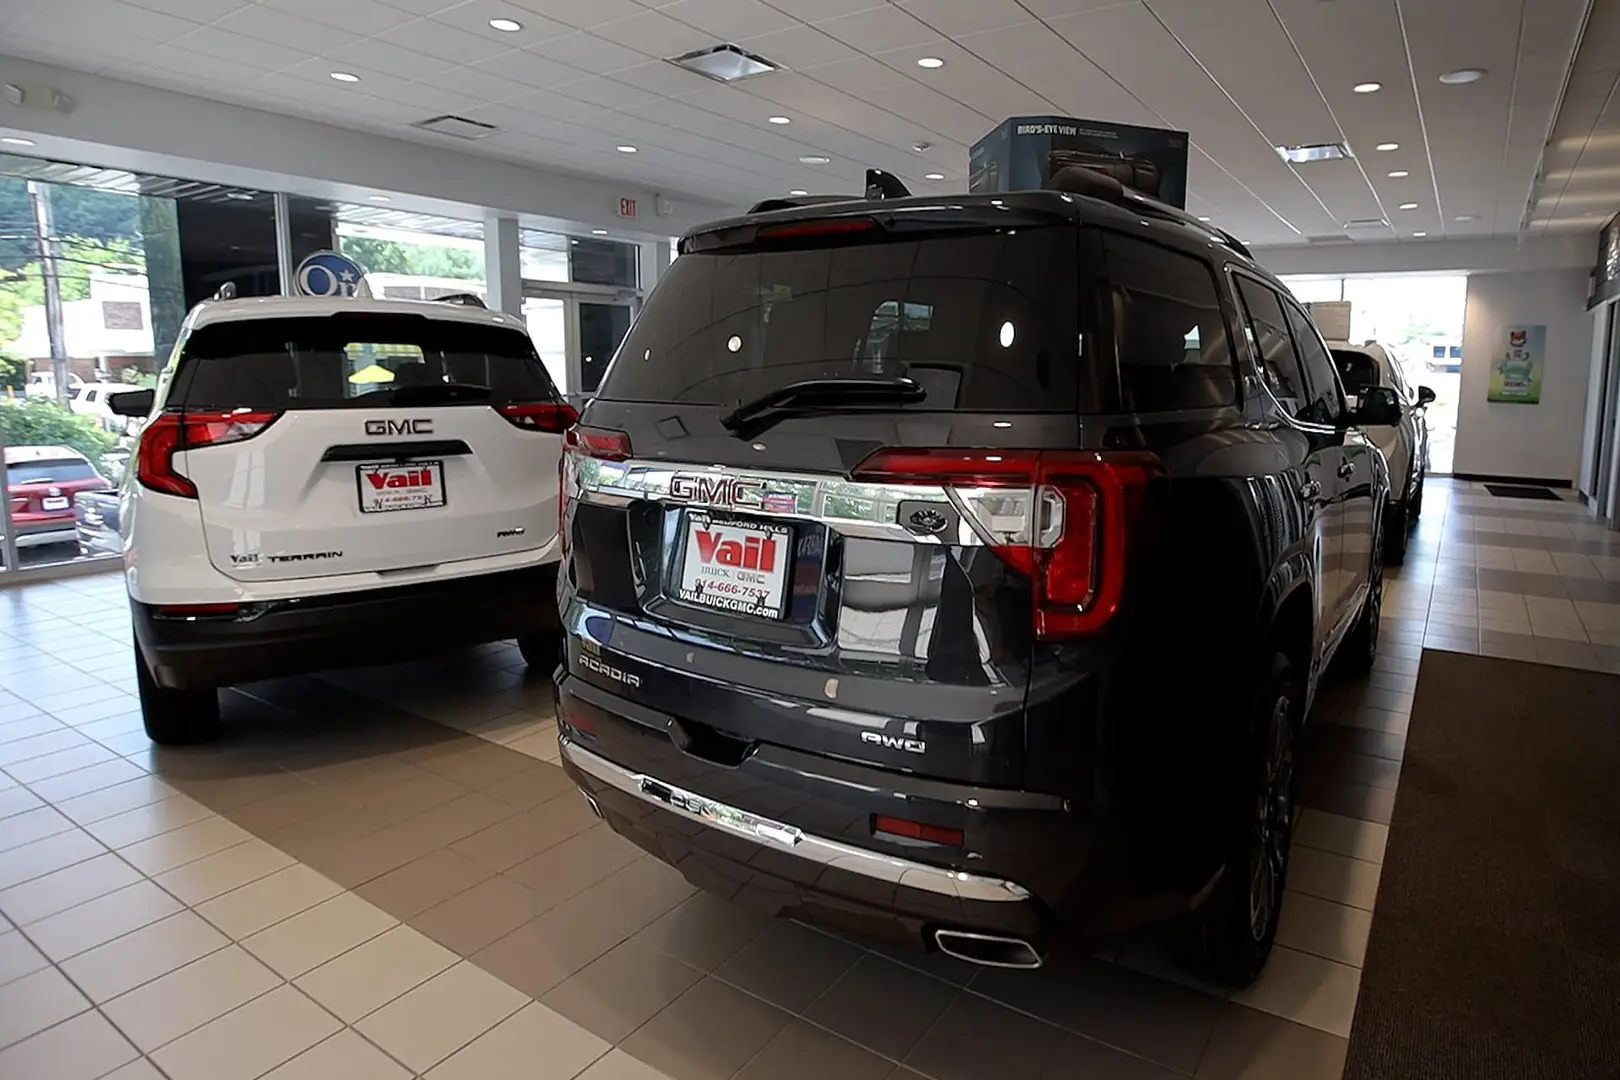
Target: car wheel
[(176, 717), (1414, 508), (1397, 526), (1360, 648), (542, 650), (1230, 937)]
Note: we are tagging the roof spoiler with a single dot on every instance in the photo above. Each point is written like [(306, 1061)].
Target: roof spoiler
[(1092, 184), (879, 185), (462, 299)]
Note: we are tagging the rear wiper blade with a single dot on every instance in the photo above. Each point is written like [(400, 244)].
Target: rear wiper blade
[(433, 394), (824, 393)]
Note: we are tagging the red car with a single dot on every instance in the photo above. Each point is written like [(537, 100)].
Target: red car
[(41, 482)]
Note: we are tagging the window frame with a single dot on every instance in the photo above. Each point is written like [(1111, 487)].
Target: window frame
[(1237, 275)]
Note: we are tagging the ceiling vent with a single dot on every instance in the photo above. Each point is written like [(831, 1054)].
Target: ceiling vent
[(458, 127), (725, 63)]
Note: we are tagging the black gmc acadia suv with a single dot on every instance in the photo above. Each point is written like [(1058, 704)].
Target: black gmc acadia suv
[(959, 570)]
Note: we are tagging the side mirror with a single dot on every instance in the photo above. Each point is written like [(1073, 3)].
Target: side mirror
[(1425, 396), (135, 404), (1379, 407)]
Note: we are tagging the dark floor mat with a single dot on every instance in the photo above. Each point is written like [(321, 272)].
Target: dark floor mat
[(1522, 491), (1495, 948)]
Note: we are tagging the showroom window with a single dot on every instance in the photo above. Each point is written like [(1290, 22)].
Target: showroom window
[(408, 256)]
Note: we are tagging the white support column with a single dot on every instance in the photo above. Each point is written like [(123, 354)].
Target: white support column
[(503, 265)]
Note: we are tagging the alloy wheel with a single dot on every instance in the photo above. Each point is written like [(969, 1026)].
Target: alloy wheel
[(1273, 821)]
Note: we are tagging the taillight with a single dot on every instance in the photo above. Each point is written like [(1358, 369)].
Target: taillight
[(916, 830), (1061, 517), (826, 227), (166, 434), (551, 417), (604, 444)]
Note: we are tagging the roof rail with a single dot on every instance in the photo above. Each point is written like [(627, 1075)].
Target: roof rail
[(1081, 180)]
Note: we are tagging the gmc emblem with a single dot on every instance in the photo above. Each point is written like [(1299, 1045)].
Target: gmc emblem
[(725, 491), (399, 427)]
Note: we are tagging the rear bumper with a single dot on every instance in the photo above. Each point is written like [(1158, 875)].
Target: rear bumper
[(290, 637), (792, 833), (47, 533)]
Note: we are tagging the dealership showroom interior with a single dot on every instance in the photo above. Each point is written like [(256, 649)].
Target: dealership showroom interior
[(788, 539)]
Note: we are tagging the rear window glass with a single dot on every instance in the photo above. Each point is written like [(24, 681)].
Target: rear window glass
[(362, 359), (52, 471), (983, 321), (1174, 351)]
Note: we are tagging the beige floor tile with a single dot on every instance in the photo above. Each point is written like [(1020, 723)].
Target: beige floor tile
[(1307, 990), (38, 745), (26, 727), (618, 1065), (43, 896), (243, 1045), (1333, 877), (35, 1002), (183, 845), (60, 762), (143, 955), (1342, 835), (311, 938), (78, 929), (369, 976), (139, 1069), (165, 1009), (18, 957), (85, 1048), (117, 799), (84, 781), (145, 822), (36, 824), (345, 1056), (441, 1016), (15, 800), (534, 1043), (41, 857), (1325, 928), (542, 746), (219, 873), (281, 895)]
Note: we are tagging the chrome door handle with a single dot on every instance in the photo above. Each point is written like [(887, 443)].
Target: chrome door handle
[(1310, 491), (1346, 470)]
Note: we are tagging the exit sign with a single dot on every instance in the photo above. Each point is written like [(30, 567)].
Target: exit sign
[(627, 208)]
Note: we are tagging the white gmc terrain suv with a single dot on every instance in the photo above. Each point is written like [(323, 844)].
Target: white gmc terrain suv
[(323, 483)]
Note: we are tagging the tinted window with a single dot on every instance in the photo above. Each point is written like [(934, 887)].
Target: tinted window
[(1171, 337), (1273, 345), (50, 471), (356, 360), (1357, 370), (982, 321), (1326, 402)]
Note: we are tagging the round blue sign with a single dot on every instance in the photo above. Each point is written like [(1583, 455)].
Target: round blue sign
[(326, 273)]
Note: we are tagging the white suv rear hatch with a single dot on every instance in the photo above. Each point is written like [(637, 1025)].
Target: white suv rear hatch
[(366, 440)]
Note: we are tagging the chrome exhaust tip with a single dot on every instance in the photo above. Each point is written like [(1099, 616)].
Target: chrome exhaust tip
[(591, 802), (988, 950)]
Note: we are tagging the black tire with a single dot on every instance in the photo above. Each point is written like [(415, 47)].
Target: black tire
[(1414, 502), (541, 650), (1397, 526), (176, 717), (1229, 938)]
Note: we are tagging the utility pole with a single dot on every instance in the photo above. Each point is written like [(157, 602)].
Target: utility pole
[(50, 252)]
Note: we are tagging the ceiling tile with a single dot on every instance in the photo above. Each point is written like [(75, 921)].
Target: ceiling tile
[(522, 66), (953, 18), (474, 17), (663, 79), (655, 34), (478, 83), (198, 11), (878, 30), (859, 76), (582, 14), (379, 55), (432, 37), (727, 20), (241, 50), (798, 47), (590, 53), (285, 29), (364, 17), (1059, 72)]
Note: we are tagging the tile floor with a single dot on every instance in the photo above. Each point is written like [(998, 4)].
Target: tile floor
[(383, 874)]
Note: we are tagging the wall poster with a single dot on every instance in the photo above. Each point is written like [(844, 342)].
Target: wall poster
[(1516, 372)]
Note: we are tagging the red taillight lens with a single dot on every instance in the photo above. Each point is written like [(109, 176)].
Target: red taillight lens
[(827, 227), (916, 830), (551, 417), (169, 433), (603, 443), (1062, 517)]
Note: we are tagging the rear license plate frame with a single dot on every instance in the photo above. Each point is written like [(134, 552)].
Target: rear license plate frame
[(690, 522), (438, 493)]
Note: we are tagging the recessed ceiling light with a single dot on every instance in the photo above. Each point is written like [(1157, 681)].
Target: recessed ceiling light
[(598, 232), (1408, 206), (505, 26), (12, 140), (239, 196), (1399, 174), (930, 62), (1463, 76), (379, 198), (1368, 87), (626, 149), (781, 120), (815, 159), (1386, 147), (1467, 217), (1420, 234), (798, 191), (1203, 219), (934, 176), (345, 76)]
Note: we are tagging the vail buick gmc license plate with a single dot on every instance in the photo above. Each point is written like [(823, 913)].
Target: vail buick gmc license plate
[(738, 566), (414, 485)]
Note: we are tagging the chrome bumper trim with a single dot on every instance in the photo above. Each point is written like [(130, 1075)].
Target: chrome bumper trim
[(790, 840)]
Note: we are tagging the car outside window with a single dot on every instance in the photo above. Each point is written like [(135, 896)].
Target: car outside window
[(50, 471), (1168, 328)]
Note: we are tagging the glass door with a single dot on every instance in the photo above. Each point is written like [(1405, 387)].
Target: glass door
[(576, 331), (602, 326)]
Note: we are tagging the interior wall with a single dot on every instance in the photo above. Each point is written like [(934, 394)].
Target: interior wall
[(1541, 441)]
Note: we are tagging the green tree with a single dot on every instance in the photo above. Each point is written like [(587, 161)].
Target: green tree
[(41, 422), (95, 215), (380, 256)]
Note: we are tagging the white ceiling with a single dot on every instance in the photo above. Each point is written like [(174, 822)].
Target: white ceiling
[(585, 76)]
